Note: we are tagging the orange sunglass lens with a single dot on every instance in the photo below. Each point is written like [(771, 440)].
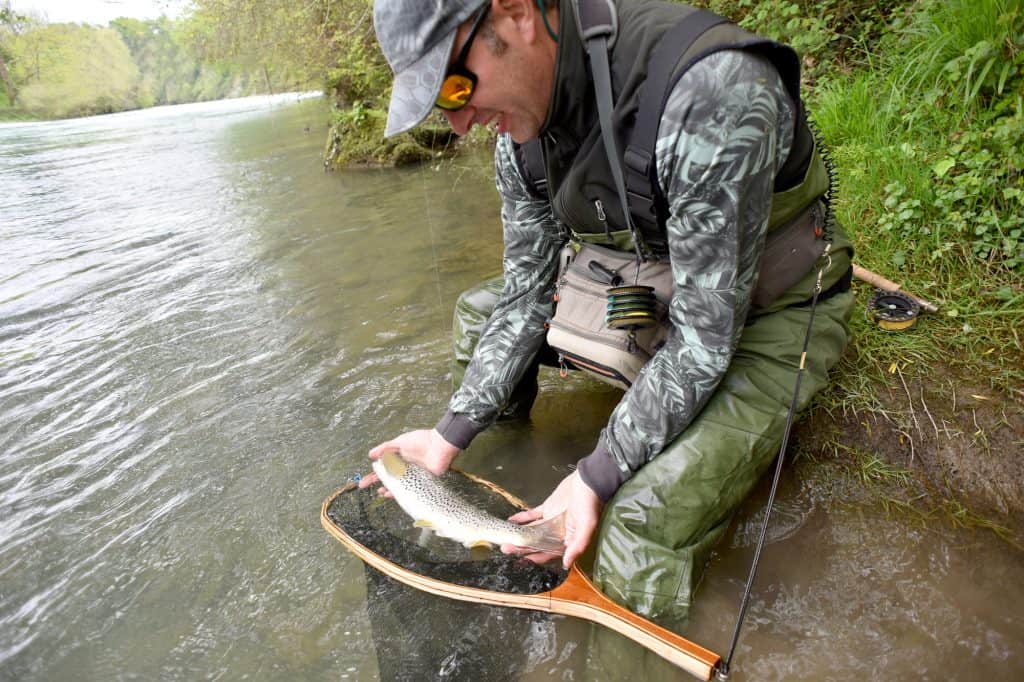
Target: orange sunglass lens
[(455, 92)]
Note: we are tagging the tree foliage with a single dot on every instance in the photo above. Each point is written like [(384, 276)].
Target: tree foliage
[(11, 24), (330, 42), (170, 71), (60, 70), (222, 48), (74, 70)]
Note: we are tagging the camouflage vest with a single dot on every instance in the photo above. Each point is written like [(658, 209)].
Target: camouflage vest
[(567, 163)]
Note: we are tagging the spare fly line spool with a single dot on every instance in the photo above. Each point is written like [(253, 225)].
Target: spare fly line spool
[(631, 307), (893, 311)]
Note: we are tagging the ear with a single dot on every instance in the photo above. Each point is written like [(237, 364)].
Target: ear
[(524, 15)]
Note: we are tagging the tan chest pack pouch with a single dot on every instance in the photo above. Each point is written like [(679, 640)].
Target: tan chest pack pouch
[(579, 332)]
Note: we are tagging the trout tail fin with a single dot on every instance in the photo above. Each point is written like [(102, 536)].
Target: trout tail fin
[(547, 535)]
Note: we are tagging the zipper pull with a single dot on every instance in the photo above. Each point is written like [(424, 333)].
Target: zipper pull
[(565, 257), (563, 371), (604, 220)]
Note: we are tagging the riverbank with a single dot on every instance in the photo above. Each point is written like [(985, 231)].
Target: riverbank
[(16, 115), (355, 139), (931, 442), (927, 136)]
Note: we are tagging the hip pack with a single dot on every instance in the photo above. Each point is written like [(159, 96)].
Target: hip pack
[(580, 334)]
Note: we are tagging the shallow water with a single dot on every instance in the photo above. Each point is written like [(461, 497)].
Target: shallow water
[(201, 333)]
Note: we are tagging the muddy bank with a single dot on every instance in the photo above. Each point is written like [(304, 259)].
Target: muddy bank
[(355, 139), (939, 446)]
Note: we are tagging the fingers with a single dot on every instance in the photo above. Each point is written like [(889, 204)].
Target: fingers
[(372, 479), (574, 547), (529, 554), (579, 530), (527, 516), (581, 521), (387, 446)]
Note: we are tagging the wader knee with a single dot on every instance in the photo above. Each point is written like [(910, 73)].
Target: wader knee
[(472, 310), (658, 531)]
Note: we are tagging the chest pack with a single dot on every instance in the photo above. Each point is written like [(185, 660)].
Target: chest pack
[(580, 331)]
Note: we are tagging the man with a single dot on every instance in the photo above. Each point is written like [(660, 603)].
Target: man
[(705, 417)]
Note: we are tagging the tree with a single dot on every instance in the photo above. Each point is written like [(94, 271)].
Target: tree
[(308, 42), (74, 70), (11, 24)]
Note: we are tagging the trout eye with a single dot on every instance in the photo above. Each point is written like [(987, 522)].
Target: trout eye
[(393, 464)]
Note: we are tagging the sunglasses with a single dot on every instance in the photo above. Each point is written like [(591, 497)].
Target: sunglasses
[(460, 82)]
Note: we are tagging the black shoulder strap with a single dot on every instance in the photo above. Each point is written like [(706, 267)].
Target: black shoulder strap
[(645, 197), (530, 159), (597, 26)]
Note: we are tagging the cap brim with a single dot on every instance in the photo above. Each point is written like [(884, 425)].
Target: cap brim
[(415, 89)]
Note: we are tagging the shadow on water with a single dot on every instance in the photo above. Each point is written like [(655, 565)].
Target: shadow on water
[(201, 334)]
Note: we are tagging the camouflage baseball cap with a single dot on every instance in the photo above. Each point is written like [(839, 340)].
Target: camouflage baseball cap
[(416, 37)]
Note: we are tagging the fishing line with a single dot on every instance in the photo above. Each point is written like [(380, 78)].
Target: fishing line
[(827, 230), (433, 248)]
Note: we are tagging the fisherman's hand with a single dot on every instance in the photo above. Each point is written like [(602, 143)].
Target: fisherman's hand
[(425, 447), (582, 509)]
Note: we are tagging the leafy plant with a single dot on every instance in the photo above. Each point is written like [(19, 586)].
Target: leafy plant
[(980, 191), (963, 51), (903, 217)]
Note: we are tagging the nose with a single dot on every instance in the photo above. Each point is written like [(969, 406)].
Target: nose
[(461, 120)]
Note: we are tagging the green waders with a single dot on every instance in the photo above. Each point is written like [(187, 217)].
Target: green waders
[(658, 530)]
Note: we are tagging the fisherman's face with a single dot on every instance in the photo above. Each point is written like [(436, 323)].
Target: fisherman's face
[(515, 66)]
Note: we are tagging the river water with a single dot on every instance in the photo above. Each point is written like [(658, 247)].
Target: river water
[(201, 334)]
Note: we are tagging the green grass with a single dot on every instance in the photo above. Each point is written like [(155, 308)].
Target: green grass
[(960, 43), (927, 136)]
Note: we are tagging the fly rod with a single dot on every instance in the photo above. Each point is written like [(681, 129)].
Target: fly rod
[(723, 668)]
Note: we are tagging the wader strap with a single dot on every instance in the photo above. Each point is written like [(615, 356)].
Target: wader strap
[(645, 196), (596, 25)]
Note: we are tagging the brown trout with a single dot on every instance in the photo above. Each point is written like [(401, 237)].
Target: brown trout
[(433, 505)]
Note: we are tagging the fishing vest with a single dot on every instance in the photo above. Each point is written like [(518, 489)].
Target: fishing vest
[(655, 44)]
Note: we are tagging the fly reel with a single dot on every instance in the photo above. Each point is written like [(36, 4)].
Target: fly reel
[(893, 311)]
